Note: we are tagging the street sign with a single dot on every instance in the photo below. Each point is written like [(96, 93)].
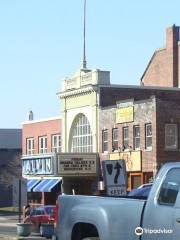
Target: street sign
[(115, 177)]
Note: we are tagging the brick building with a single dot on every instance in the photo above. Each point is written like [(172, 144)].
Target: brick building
[(140, 125), (41, 142), (163, 68)]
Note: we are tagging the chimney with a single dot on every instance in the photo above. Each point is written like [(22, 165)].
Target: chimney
[(172, 38), (30, 116)]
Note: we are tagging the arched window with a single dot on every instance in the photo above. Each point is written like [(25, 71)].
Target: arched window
[(81, 135)]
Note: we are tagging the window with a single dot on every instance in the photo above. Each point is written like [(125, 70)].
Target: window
[(136, 137), (30, 146), (171, 136), (43, 144), (81, 135), (148, 136), (125, 138), (105, 140), (115, 139), (170, 188), (56, 143)]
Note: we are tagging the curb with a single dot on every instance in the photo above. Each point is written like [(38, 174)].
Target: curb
[(6, 237)]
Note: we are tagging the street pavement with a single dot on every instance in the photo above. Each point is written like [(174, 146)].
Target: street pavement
[(8, 229)]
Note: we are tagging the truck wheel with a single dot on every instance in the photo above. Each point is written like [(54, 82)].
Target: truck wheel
[(91, 238)]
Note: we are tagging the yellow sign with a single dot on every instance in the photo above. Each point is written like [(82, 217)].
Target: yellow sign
[(125, 114), (132, 159)]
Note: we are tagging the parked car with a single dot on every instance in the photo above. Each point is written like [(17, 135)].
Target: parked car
[(104, 218), (141, 191), (43, 214)]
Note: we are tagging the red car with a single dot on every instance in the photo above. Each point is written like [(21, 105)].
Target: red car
[(42, 214)]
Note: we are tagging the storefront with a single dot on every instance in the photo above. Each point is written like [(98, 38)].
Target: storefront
[(43, 183)]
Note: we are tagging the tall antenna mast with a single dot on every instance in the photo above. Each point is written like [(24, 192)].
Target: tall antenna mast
[(84, 37)]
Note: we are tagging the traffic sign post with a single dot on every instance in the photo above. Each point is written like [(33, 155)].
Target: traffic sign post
[(115, 177)]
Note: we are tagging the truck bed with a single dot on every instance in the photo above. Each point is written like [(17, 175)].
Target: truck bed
[(108, 214)]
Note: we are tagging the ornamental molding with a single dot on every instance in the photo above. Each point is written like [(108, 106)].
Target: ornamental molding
[(80, 91)]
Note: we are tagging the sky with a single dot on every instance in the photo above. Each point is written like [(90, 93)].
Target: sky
[(41, 42)]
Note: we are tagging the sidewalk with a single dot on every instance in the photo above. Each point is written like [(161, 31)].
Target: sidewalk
[(11, 221), (5, 237), (31, 237)]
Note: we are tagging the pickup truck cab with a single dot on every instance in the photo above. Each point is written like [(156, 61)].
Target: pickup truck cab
[(124, 218)]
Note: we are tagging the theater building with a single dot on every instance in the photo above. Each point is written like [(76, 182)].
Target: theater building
[(102, 121), (41, 142), (139, 124)]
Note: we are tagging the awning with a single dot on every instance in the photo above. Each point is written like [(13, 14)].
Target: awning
[(46, 185), (32, 183)]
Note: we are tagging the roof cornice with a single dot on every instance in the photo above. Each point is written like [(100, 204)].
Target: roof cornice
[(76, 92)]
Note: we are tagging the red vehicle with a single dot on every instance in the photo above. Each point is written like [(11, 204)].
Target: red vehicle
[(42, 214)]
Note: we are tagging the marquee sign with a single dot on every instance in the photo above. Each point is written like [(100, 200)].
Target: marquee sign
[(77, 164), (37, 166)]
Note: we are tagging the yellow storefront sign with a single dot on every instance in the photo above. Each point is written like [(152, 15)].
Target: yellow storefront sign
[(125, 114), (132, 159)]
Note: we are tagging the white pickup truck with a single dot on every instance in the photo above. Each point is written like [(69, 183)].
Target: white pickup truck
[(124, 218)]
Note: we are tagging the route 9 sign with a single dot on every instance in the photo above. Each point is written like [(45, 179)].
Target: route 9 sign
[(115, 177)]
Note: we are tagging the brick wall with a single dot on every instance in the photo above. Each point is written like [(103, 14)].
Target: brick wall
[(163, 68), (167, 112), (42, 128), (143, 114), (159, 110)]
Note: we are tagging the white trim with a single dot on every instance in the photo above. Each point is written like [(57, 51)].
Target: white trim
[(73, 92), (42, 120), (42, 178)]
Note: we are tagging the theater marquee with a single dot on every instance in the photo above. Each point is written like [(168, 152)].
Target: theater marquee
[(77, 164)]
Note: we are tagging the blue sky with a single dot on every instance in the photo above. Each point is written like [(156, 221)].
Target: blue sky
[(41, 42)]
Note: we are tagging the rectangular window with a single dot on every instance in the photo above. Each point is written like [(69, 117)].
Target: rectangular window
[(170, 188), (114, 139), (30, 146), (136, 137), (125, 138), (148, 136), (105, 140), (56, 143), (171, 136), (43, 144)]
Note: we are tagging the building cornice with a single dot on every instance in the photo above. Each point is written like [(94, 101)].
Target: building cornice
[(76, 92), (42, 120)]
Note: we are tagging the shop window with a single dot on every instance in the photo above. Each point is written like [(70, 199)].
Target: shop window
[(43, 144), (148, 132), (135, 181), (56, 143), (30, 146), (105, 140), (81, 135), (170, 188), (114, 139), (125, 138), (136, 137), (171, 136)]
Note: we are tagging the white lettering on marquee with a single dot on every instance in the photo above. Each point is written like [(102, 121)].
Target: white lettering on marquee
[(37, 166)]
